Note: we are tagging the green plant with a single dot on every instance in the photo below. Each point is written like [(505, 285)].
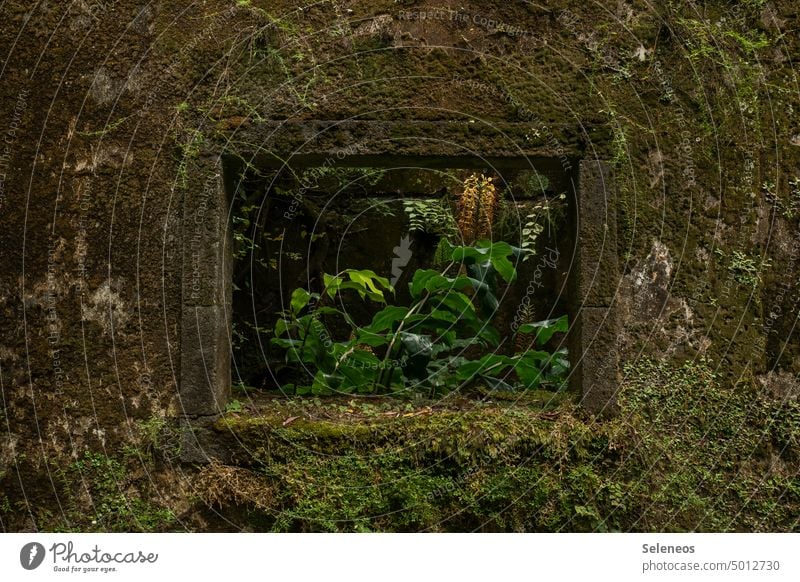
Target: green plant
[(790, 209), (421, 346), (793, 208), (189, 149), (745, 269), (234, 406), (543, 215), (113, 504), (158, 437), (431, 217), (340, 177)]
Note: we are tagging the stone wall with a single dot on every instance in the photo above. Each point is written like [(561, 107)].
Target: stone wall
[(114, 114)]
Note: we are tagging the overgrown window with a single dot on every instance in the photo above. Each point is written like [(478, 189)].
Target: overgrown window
[(398, 281)]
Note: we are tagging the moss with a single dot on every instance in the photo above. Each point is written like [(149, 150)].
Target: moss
[(686, 453), (709, 451), (481, 429), (99, 494)]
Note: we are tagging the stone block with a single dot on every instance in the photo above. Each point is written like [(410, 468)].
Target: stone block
[(205, 359), (207, 243), (595, 359), (597, 265)]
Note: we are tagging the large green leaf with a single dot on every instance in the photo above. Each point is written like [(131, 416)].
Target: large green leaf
[(297, 351), (478, 285), (324, 384), (358, 372), (434, 282), (437, 322), (545, 330), (281, 326), (332, 284), (490, 335), (418, 352), (363, 336), (358, 288), (457, 303), (490, 364), (489, 254), (286, 343), (421, 277), (483, 290), (499, 253), (363, 360), (386, 318), (300, 298), (327, 310), (441, 321), (528, 367), (469, 255), (369, 279)]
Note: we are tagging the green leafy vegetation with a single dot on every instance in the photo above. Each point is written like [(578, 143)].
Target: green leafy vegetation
[(686, 453), (789, 206), (545, 214), (423, 346), (431, 217), (102, 498), (744, 269)]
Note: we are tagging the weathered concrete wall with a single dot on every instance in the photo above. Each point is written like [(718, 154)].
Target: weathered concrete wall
[(110, 107)]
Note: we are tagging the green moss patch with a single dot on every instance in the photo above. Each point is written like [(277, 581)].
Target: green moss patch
[(685, 454)]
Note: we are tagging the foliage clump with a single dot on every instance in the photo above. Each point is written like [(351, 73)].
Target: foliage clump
[(685, 453), (102, 495), (425, 345)]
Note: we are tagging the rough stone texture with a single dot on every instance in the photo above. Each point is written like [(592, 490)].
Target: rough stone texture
[(596, 369), (456, 138), (207, 280), (596, 267), (205, 359), (206, 238), (104, 106), (594, 286), (201, 444)]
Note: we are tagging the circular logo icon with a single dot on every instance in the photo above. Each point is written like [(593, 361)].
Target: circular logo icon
[(31, 555)]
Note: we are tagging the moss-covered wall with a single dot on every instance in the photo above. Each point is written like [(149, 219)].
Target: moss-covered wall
[(108, 105)]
